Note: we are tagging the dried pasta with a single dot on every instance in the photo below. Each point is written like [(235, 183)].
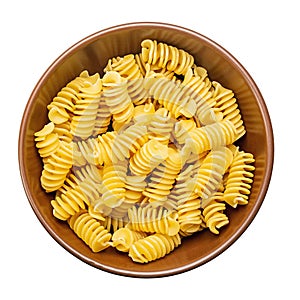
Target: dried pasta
[(144, 155)]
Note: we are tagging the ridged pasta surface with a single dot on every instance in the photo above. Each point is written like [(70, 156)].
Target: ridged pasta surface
[(153, 220), (90, 231), (153, 247), (145, 154)]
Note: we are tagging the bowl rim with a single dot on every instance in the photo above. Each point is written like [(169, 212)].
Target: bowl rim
[(260, 102)]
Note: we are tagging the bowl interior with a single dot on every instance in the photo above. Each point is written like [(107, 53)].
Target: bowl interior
[(92, 54)]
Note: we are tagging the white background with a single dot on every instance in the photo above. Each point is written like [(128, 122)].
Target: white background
[(264, 36)]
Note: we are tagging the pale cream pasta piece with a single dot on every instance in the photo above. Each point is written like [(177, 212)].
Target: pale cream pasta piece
[(198, 86), (128, 68), (151, 220), (128, 142), (188, 202), (116, 97), (171, 95), (161, 126)]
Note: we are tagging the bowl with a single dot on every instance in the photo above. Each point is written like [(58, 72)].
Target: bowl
[(92, 53)]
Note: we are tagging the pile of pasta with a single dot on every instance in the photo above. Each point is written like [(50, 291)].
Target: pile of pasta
[(145, 155)]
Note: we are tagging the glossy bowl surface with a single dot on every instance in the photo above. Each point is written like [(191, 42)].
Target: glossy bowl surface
[(92, 53)]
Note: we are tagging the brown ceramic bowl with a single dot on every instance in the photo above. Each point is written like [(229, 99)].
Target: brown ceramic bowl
[(92, 54)]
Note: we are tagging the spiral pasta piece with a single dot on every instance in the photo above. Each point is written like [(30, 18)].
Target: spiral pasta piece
[(226, 104), (182, 129), (134, 185), (164, 55), (143, 114), (149, 156), (95, 151), (163, 177), (188, 202), (57, 168), (153, 247), (63, 131), (123, 238), (211, 171), (63, 104), (86, 108), (161, 126), (212, 136), (103, 118), (153, 220), (213, 213), (47, 141), (128, 142), (128, 68), (199, 87), (80, 190), (113, 184), (171, 95), (90, 231), (116, 97), (68, 203), (112, 223), (239, 179)]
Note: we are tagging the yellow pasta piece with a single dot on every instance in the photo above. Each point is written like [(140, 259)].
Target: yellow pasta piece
[(90, 231), (239, 179), (149, 156), (123, 238), (211, 136), (163, 177), (86, 107), (211, 171), (57, 168), (213, 213), (113, 184), (226, 104), (164, 55), (47, 141), (153, 247)]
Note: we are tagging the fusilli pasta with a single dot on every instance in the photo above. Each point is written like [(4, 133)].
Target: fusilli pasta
[(144, 156)]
